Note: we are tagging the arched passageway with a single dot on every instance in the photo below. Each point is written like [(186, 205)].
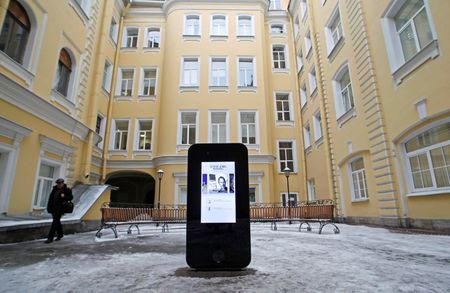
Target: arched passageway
[(134, 187)]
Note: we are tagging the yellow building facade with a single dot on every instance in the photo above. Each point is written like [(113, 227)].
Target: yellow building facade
[(114, 91)]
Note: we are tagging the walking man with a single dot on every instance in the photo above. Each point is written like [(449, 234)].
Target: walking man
[(60, 193)]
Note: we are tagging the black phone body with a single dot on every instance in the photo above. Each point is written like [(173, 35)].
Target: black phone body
[(218, 215)]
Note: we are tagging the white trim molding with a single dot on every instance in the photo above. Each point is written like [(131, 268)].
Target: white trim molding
[(56, 147), (13, 130), (26, 100)]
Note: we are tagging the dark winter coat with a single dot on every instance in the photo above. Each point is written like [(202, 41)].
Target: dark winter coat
[(55, 200)]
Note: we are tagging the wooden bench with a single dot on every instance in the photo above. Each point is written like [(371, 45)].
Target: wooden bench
[(115, 214), (305, 214), (133, 216)]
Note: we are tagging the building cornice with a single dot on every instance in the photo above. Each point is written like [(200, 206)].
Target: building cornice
[(13, 131), (56, 147), (26, 100), (168, 4), (278, 15)]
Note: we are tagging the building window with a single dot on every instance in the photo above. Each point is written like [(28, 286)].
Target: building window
[(312, 81), (428, 156), (307, 136), (303, 9), (182, 197), (188, 128), (144, 134), (218, 127), (44, 185), (125, 84), (100, 129), (148, 82), (63, 73), (130, 37), (153, 38), (286, 155), (277, 29), (343, 92), (317, 123), (299, 61), (246, 72), (275, 5), (333, 30), (219, 25), (283, 107), (248, 127), (192, 25), (113, 30), (85, 6), (15, 32), (279, 57), (296, 27), (107, 76), (303, 98), (308, 43), (358, 180), (408, 30), (190, 72), (218, 72), (252, 195), (292, 199), (245, 26), (120, 138), (311, 189)]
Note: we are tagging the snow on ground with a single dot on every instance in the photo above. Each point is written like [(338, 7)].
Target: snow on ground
[(359, 259)]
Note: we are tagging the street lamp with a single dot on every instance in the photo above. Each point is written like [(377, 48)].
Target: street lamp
[(160, 176), (287, 172)]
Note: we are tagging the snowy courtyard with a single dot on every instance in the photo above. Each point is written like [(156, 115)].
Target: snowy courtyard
[(359, 259)]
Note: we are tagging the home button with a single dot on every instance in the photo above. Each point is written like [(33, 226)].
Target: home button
[(218, 256)]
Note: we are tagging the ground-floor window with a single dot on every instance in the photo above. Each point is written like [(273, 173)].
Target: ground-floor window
[(292, 199), (358, 181), (428, 159), (47, 174), (252, 194), (311, 190)]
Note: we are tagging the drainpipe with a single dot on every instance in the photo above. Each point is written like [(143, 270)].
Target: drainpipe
[(112, 91)]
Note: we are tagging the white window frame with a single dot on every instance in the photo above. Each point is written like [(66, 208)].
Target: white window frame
[(253, 58), (211, 125), (146, 39), (426, 150), (142, 81), (303, 96), (211, 73), (317, 125), (291, 120), (294, 156), (102, 129), (299, 61), (280, 24), (296, 26), (180, 145), (400, 68), (240, 124), (337, 90), (312, 78), (112, 142), (275, 5), (185, 27), (107, 76), (311, 184), (307, 136), (58, 172), (125, 37), (330, 32), (286, 58), (303, 9), (357, 196), (183, 82), (291, 195), (225, 32), (308, 43), (120, 79), (239, 33), (137, 133), (114, 30)]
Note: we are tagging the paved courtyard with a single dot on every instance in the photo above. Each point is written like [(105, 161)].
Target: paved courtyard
[(359, 259)]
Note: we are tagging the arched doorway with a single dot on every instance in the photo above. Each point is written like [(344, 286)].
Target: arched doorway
[(134, 187)]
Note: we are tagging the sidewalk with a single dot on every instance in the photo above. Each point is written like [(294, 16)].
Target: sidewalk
[(359, 259)]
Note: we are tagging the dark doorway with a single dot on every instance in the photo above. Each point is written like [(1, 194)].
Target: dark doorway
[(134, 187)]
